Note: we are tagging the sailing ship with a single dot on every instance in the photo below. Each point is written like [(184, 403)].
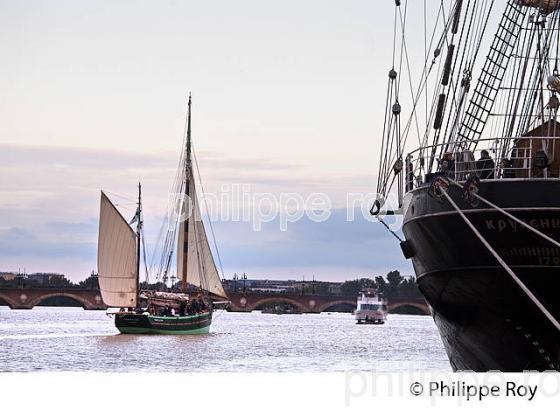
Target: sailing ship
[(479, 192), (186, 311)]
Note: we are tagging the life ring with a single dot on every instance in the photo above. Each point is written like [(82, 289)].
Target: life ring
[(470, 188), (438, 186)]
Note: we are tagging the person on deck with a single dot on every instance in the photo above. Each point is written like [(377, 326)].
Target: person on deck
[(447, 165), (194, 306), (485, 165), (507, 168), (201, 304)]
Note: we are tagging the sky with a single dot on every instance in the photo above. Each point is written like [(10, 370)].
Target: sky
[(288, 98)]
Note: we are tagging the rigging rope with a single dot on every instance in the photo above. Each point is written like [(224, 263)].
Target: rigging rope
[(394, 140), (522, 101), (389, 229), (132, 200), (144, 256)]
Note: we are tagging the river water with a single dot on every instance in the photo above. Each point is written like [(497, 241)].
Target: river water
[(72, 339)]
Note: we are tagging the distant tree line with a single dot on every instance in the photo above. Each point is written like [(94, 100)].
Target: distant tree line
[(393, 285)]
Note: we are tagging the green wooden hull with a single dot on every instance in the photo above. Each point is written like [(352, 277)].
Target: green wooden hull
[(148, 331), (133, 323)]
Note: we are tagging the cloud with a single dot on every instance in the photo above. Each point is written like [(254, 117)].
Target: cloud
[(330, 250), (75, 157), (335, 248), (49, 205), (24, 243), (51, 183), (23, 156)]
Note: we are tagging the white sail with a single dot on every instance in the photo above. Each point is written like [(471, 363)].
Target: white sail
[(116, 257), (200, 269)]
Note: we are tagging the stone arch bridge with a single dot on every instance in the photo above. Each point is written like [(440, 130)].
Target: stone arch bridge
[(89, 299), (247, 302)]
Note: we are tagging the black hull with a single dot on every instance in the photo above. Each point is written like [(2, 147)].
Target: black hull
[(134, 323), (485, 320)]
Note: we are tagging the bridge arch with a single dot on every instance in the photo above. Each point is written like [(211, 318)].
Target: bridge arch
[(9, 301), (279, 299), (84, 303), (421, 308), (330, 304)]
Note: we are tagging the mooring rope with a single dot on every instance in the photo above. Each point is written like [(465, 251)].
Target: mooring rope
[(389, 229), (512, 274)]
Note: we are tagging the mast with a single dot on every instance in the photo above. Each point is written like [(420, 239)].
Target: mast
[(185, 247), (189, 135), (194, 257), (138, 242)]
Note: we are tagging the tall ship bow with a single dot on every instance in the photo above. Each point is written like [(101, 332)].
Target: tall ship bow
[(479, 192)]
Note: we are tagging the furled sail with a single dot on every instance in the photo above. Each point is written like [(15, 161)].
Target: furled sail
[(116, 257), (199, 269)]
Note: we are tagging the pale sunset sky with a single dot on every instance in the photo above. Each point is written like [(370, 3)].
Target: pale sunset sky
[(287, 97)]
